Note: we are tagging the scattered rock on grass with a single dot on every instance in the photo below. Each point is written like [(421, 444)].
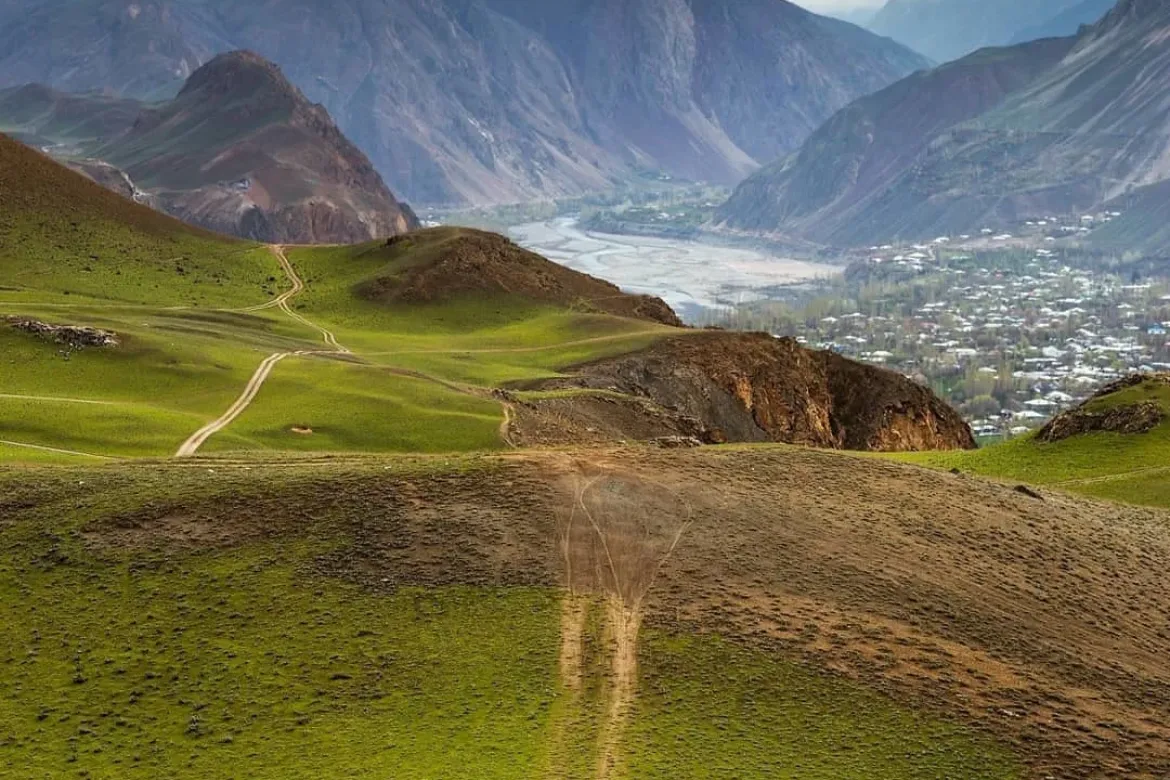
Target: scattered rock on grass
[(77, 337)]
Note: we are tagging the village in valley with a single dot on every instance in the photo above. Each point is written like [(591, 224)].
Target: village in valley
[(1010, 329)]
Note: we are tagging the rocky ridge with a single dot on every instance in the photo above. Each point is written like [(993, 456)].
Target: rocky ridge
[(740, 387)]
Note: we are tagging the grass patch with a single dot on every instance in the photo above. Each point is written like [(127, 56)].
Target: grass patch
[(237, 660), (710, 709), (356, 408), (1132, 468)]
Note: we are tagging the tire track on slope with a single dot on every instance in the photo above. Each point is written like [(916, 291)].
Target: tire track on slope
[(55, 450), (299, 287), (616, 551), (191, 446), (59, 400)]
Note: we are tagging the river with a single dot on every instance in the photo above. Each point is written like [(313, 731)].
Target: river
[(688, 275)]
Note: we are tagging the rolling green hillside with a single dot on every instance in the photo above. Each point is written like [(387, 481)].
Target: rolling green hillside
[(198, 315), (290, 621), (1128, 467)]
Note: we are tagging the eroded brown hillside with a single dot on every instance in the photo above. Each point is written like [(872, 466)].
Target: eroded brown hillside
[(751, 387)]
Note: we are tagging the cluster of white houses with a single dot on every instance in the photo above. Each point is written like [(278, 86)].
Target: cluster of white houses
[(1030, 332)]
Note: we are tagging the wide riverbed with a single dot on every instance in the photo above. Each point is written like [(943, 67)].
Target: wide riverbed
[(688, 275)]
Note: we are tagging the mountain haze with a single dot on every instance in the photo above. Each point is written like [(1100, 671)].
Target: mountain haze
[(948, 29), (1068, 21), (480, 101)]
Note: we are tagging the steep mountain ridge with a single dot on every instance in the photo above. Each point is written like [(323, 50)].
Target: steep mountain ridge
[(1066, 134), (854, 177), (1067, 22), (240, 150), (945, 30), (483, 101)]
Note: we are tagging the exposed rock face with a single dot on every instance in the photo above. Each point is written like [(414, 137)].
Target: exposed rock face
[(755, 388), (1136, 418), (1053, 127), (489, 101), (242, 151)]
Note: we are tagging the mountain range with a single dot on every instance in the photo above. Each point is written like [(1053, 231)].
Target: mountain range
[(1067, 22), (239, 150), (487, 101), (1052, 126), (945, 30)]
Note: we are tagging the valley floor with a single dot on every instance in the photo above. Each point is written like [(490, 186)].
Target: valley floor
[(690, 276)]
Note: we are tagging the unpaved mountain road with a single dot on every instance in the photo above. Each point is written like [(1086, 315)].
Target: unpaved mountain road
[(197, 440), (264, 370), (298, 287)]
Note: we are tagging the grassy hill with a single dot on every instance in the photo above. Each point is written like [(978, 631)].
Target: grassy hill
[(808, 615), (1129, 467), (305, 593), (196, 314)]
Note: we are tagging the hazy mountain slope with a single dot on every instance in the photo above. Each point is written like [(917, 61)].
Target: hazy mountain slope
[(1087, 130), (948, 29), (745, 79), (240, 150), (40, 115), (851, 178), (1067, 22), (141, 49), (496, 100)]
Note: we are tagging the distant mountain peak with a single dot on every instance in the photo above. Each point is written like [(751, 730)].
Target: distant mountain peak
[(244, 72)]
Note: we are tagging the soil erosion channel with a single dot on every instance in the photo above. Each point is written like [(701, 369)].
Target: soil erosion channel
[(617, 535)]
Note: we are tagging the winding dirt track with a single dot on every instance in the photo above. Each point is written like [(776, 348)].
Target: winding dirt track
[(54, 450), (192, 445), (299, 287), (264, 370)]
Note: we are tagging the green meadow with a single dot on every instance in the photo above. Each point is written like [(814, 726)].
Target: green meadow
[(418, 379), (1132, 468), (131, 656)]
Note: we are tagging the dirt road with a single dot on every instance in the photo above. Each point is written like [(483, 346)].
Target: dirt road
[(298, 287), (197, 440), (252, 389)]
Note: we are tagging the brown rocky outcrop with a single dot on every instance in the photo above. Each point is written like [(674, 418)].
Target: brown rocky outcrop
[(755, 388), (461, 261), (1136, 418)]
